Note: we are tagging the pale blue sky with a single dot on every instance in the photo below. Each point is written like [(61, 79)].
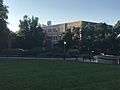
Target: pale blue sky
[(60, 11)]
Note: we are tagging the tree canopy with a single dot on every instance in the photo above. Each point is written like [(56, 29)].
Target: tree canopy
[(4, 31), (31, 33)]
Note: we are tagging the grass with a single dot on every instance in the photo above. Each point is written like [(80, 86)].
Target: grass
[(57, 75)]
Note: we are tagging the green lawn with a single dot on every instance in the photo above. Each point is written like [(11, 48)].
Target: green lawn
[(57, 75)]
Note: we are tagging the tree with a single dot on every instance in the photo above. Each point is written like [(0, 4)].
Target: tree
[(87, 37), (72, 39), (30, 33), (67, 37), (14, 41), (116, 34), (4, 31), (117, 27), (97, 37), (76, 37), (102, 40)]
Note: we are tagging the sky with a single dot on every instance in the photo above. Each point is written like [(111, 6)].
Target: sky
[(61, 11)]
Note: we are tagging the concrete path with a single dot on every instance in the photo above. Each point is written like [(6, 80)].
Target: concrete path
[(35, 58)]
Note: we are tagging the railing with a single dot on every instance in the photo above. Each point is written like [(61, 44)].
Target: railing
[(107, 59)]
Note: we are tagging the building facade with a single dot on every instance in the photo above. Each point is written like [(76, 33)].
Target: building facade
[(54, 32)]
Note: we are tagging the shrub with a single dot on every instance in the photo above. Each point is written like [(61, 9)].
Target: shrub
[(36, 51), (73, 52), (12, 52)]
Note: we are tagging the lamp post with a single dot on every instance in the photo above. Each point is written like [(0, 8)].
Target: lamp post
[(64, 48)]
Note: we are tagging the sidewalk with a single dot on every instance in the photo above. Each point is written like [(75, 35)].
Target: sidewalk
[(35, 58)]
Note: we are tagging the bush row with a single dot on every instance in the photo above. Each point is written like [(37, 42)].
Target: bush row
[(38, 52)]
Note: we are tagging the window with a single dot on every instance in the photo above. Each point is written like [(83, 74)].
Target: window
[(59, 37), (54, 38), (45, 31), (54, 30), (50, 30), (58, 29)]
